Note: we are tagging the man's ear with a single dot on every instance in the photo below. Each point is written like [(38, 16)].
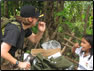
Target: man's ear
[(30, 19)]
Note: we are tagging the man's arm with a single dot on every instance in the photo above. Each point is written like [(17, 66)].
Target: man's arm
[(36, 37), (5, 53)]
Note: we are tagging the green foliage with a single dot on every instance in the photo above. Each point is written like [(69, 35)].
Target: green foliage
[(35, 29), (60, 13), (17, 12), (28, 51), (90, 20), (74, 15), (83, 16), (60, 29), (2, 9), (69, 24), (89, 30)]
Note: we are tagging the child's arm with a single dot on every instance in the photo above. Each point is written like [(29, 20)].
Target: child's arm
[(76, 45)]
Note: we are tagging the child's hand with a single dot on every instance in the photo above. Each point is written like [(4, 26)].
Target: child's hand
[(76, 45)]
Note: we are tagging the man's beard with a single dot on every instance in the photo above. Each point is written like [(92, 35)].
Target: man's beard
[(27, 23)]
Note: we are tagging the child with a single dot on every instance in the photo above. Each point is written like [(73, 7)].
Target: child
[(85, 53)]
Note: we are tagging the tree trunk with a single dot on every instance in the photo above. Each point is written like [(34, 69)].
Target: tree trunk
[(60, 7), (6, 8), (86, 19), (49, 19)]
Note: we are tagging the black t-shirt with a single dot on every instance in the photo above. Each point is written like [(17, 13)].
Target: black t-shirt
[(15, 36)]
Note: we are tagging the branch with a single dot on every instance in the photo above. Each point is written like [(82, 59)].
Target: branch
[(73, 36), (69, 41)]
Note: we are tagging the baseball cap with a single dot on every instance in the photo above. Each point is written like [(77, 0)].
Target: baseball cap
[(29, 11)]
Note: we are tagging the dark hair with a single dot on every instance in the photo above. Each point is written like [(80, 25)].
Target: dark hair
[(23, 20), (89, 39)]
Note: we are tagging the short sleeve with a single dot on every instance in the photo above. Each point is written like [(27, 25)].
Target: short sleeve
[(78, 50), (11, 35), (28, 32)]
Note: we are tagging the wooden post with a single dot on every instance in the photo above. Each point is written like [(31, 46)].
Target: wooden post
[(66, 45), (62, 51)]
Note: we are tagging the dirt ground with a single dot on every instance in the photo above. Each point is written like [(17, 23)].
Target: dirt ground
[(5, 67), (8, 66)]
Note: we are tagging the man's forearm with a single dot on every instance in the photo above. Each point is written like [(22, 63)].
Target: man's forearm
[(8, 57), (38, 36)]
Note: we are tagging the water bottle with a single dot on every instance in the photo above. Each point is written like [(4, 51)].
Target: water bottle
[(27, 58)]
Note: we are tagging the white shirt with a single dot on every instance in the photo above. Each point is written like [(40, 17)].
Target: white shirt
[(84, 63)]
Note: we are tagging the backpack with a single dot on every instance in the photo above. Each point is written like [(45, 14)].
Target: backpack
[(5, 21), (43, 63)]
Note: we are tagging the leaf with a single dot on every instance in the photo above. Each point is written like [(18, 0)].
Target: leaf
[(60, 29), (89, 31), (28, 51), (60, 13), (83, 16), (90, 20), (35, 29)]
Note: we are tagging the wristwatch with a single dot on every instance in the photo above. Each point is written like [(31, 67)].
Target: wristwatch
[(17, 62)]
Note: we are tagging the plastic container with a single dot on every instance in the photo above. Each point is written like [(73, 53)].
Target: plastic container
[(51, 45)]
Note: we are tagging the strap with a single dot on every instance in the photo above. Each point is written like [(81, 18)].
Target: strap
[(3, 29), (14, 22), (17, 24), (20, 28)]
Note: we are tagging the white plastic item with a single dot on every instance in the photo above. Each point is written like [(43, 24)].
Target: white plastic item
[(25, 55), (52, 44), (56, 55)]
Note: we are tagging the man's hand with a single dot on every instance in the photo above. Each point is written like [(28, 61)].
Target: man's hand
[(24, 65), (36, 37), (42, 26)]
